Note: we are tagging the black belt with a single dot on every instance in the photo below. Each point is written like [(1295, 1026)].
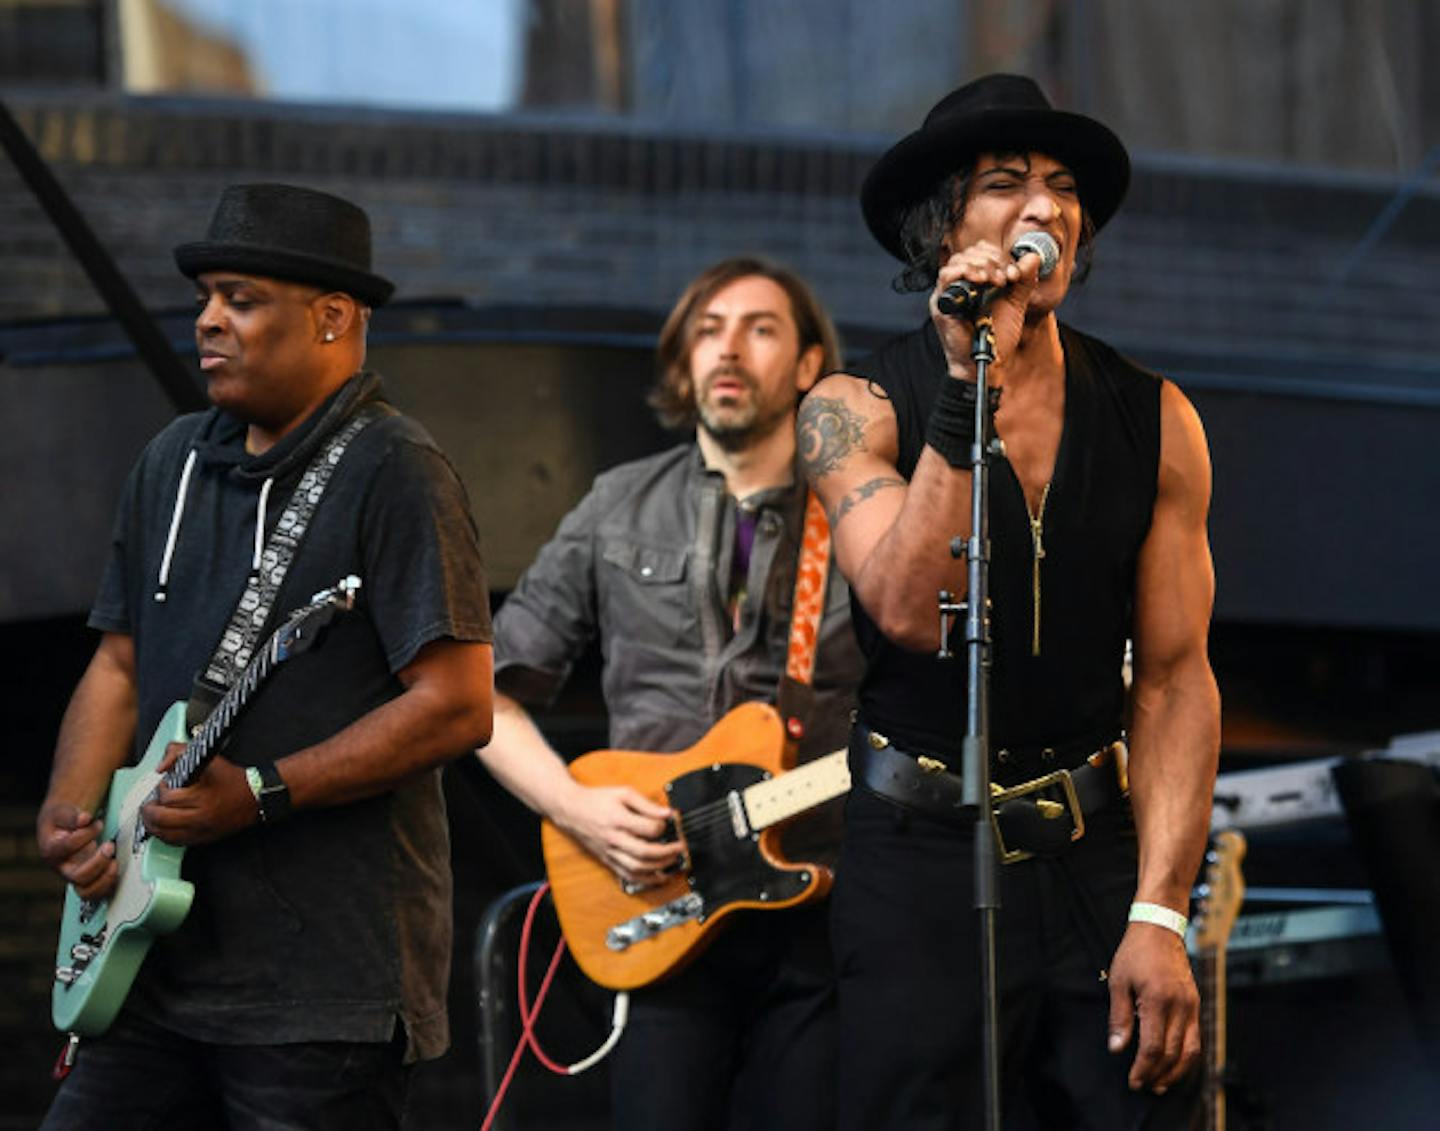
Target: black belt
[(1041, 815)]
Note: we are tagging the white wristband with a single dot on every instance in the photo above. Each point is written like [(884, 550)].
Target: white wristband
[(1159, 916)]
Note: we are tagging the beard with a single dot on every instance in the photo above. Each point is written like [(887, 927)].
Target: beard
[(737, 419)]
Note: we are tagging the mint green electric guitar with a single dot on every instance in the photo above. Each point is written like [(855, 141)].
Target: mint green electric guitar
[(103, 941)]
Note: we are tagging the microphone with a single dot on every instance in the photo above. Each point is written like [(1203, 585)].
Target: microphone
[(965, 299)]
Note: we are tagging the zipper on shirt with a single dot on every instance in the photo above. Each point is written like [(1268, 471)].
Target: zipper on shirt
[(1037, 537)]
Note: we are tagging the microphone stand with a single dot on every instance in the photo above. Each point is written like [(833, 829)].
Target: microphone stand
[(975, 750)]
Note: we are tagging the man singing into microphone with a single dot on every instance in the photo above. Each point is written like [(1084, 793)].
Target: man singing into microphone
[(1098, 504)]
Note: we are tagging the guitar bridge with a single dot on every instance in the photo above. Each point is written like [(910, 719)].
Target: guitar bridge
[(624, 935)]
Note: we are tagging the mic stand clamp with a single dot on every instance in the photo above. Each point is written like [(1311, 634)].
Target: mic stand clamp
[(949, 608), (975, 751)]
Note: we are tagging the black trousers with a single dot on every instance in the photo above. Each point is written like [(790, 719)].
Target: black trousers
[(139, 1077), (742, 1039), (907, 954)]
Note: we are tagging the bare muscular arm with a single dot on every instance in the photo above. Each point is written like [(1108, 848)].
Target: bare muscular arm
[(444, 710), (1174, 750), (892, 538), (95, 740)]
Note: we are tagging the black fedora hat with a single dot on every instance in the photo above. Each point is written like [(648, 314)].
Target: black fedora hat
[(288, 232), (996, 112)]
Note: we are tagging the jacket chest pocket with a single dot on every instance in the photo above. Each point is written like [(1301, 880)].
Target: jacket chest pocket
[(645, 592)]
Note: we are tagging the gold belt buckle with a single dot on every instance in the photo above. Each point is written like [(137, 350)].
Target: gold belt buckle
[(1049, 809), (1120, 753)]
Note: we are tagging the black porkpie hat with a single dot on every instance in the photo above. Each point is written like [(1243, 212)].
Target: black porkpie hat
[(996, 112), (288, 232)]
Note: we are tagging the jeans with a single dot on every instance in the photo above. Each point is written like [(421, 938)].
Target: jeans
[(140, 1075)]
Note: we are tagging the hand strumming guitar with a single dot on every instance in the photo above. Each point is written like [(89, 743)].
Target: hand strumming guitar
[(69, 839), (622, 828)]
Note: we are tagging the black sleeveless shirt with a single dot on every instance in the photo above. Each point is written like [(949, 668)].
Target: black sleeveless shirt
[(1059, 681)]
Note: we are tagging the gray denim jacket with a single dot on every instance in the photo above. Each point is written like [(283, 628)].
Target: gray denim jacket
[(644, 562)]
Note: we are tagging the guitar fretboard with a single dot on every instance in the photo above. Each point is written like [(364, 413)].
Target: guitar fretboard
[(203, 746), (770, 802), (1212, 1025)]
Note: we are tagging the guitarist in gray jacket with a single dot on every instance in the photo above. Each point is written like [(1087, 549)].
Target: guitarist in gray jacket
[(683, 566), (309, 972)]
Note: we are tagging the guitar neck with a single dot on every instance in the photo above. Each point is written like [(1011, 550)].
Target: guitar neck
[(792, 793), (205, 743), (1212, 1022)]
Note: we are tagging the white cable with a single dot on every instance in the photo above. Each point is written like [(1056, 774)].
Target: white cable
[(618, 1017)]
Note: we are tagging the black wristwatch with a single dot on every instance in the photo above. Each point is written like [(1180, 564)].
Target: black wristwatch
[(271, 793)]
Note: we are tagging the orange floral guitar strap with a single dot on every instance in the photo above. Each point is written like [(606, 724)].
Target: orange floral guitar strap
[(811, 573)]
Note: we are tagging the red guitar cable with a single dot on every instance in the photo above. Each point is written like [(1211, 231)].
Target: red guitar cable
[(529, 1015)]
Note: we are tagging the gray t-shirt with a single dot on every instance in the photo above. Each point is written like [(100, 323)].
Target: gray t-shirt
[(336, 922)]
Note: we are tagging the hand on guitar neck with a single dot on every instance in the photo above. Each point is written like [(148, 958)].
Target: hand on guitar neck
[(217, 803)]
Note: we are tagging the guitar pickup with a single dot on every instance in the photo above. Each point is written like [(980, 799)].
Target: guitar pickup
[(624, 935), (82, 953), (738, 822)]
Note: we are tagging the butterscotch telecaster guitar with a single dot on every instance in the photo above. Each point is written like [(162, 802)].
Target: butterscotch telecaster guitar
[(731, 790)]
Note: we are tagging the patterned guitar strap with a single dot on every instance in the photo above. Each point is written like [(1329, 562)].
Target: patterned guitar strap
[(248, 621), (796, 695)]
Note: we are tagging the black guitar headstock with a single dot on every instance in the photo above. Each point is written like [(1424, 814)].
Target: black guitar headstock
[(303, 627)]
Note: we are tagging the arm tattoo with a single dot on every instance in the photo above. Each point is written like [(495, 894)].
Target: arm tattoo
[(828, 431), (854, 498)]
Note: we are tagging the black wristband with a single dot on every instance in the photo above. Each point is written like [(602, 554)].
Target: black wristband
[(951, 427)]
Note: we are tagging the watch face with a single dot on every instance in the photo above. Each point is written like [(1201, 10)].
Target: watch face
[(272, 796)]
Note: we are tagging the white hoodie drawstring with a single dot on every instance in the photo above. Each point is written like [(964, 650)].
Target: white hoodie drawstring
[(260, 527), (173, 536), (178, 513)]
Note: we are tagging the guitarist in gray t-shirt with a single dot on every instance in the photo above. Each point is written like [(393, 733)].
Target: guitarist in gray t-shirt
[(309, 971)]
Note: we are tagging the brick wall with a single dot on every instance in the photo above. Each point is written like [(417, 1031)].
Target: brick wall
[(501, 210)]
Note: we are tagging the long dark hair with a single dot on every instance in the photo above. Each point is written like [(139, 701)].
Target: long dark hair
[(673, 396)]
